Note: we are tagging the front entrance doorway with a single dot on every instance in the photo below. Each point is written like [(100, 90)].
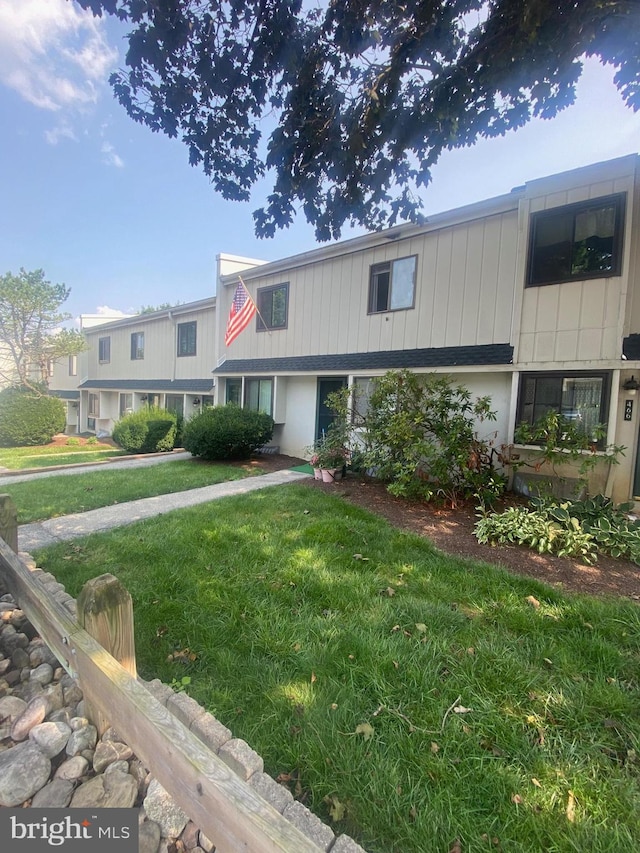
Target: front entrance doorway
[(325, 416)]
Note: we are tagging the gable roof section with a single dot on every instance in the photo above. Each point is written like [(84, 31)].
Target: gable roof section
[(179, 386), (384, 360)]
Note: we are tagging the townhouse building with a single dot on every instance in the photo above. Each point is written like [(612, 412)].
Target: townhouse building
[(532, 297)]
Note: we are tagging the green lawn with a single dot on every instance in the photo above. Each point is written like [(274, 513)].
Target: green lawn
[(55, 496), (418, 697), (19, 458)]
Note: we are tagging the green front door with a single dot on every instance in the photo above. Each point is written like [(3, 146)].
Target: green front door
[(325, 416)]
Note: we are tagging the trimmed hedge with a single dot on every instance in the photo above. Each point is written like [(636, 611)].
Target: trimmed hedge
[(150, 430), (226, 432), (28, 419)]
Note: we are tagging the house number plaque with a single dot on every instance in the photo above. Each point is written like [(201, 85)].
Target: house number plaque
[(628, 410)]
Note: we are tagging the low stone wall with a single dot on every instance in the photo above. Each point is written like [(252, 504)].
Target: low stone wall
[(50, 754)]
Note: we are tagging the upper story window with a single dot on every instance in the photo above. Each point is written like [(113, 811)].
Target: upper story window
[(392, 285), (273, 307), (577, 241), (137, 345), (73, 365), (104, 350), (187, 338), (581, 398)]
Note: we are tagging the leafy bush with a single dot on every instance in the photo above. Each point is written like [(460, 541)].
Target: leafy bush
[(149, 430), (537, 529), (226, 432), (568, 528), (419, 435), (28, 418), (73, 442), (609, 524)]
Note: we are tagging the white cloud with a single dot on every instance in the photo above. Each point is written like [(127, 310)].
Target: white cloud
[(52, 53), (60, 131), (110, 157)]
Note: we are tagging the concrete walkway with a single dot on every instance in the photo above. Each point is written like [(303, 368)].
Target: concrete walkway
[(40, 534)]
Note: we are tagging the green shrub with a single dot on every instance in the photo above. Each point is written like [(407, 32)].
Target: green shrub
[(226, 432), (73, 442), (28, 418), (92, 440), (150, 430), (420, 436)]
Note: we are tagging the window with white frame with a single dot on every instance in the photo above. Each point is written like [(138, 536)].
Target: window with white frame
[(93, 408), (392, 285), (258, 395), (126, 404), (73, 365), (581, 398), (233, 391)]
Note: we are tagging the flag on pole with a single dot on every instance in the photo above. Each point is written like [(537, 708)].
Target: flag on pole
[(242, 310)]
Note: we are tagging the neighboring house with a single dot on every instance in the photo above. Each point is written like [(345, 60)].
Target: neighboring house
[(532, 297), (160, 359)]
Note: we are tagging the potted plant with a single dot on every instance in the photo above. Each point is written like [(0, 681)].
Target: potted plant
[(330, 458)]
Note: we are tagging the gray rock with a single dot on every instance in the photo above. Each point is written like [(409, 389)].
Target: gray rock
[(23, 771), (11, 707), (54, 694), (148, 837), (19, 658), (40, 653), (72, 769), (205, 843), (82, 738), (55, 795), (189, 835), (28, 690), (161, 808), (35, 712), (71, 691), (119, 767), (109, 751), (108, 791), (42, 674), (51, 738)]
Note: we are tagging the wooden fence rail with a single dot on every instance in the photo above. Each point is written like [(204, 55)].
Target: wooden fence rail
[(225, 808)]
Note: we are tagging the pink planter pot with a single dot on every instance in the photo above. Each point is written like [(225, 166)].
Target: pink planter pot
[(329, 475), (317, 474)]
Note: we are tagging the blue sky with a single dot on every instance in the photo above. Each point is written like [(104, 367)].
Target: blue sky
[(116, 212)]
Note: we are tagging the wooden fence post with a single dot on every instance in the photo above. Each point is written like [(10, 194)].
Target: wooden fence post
[(9, 522), (105, 611)]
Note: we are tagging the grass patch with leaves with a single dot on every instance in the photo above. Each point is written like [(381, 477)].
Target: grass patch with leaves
[(415, 698), (55, 496), (19, 458)]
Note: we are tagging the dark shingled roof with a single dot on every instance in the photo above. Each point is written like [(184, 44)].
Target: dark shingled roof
[(631, 347), (65, 395), (179, 386), (385, 360)]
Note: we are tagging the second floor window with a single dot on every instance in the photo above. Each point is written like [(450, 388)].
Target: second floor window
[(104, 350), (73, 365), (137, 345), (273, 304), (187, 338), (392, 285), (577, 241)]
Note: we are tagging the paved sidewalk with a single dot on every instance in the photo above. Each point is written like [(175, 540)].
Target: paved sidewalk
[(39, 535), (113, 463)]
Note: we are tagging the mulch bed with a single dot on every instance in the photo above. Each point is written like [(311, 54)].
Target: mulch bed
[(451, 530)]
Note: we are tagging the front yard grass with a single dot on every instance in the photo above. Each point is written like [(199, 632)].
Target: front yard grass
[(19, 458), (417, 698), (53, 496)]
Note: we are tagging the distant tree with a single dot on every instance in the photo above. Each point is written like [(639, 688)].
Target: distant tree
[(164, 306), (359, 98), (30, 329)]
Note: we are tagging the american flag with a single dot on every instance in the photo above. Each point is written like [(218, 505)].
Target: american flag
[(242, 310)]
